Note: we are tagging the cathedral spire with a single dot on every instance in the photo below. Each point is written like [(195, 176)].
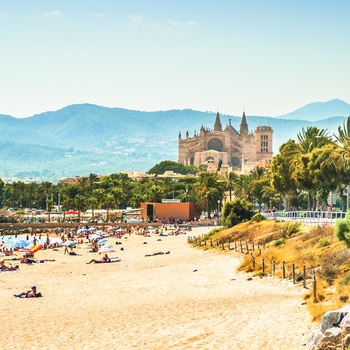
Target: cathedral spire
[(217, 125), (244, 125)]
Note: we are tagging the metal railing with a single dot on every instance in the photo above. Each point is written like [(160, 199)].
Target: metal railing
[(307, 216)]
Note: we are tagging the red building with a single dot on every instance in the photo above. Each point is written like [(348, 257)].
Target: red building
[(186, 211)]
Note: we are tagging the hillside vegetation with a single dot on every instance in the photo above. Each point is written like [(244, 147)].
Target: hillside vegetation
[(312, 247), (85, 138)]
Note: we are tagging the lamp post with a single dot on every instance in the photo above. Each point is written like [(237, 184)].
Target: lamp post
[(59, 202), (47, 200), (218, 206)]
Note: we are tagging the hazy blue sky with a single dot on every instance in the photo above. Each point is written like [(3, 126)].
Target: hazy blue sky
[(269, 57)]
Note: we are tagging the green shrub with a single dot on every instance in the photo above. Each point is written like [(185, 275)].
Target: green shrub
[(345, 281), (290, 228), (211, 233), (324, 241), (236, 211), (342, 229), (278, 242), (258, 217)]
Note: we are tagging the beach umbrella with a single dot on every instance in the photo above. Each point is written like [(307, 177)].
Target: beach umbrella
[(95, 236), (101, 241), (20, 243), (69, 243), (106, 249), (82, 230), (92, 229), (100, 232)]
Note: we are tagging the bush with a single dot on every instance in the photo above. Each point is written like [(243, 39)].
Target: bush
[(236, 211), (258, 217), (290, 228), (342, 229), (211, 233), (278, 242), (324, 242)]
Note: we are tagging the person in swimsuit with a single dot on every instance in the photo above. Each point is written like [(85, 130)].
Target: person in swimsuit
[(29, 294)]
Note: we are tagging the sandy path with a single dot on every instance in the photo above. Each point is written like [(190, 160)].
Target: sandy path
[(188, 299)]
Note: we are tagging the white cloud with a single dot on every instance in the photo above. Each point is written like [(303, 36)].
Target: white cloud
[(136, 20), (54, 13), (98, 14)]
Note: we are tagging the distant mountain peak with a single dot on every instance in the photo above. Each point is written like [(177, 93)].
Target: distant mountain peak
[(320, 110)]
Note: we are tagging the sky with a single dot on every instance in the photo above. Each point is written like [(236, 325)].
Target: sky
[(267, 57)]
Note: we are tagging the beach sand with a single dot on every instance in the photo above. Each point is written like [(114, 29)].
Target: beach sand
[(188, 299)]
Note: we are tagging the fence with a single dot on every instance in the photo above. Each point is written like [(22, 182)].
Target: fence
[(288, 270), (307, 216)]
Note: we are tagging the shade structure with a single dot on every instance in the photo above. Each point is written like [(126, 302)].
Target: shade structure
[(69, 243), (106, 249)]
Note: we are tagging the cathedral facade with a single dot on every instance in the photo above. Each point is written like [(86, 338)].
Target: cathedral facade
[(226, 148)]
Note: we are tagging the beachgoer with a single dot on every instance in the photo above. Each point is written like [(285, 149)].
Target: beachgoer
[(105, 259), (28, 294)]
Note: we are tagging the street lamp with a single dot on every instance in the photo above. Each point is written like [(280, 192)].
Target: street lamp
[(218, 206)]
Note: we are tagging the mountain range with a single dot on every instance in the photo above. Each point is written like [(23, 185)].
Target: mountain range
[(83, 139)]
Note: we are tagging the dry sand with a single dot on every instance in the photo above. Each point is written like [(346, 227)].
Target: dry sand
[(188, 299)]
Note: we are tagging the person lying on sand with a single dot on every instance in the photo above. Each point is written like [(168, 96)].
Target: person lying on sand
[(4, 267), (104, 259), (25, 260), (158, 253), (28, 294)]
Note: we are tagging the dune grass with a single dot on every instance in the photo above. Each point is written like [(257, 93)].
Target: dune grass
[(308, 247)]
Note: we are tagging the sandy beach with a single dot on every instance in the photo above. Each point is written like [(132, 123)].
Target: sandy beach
[(187, 299)]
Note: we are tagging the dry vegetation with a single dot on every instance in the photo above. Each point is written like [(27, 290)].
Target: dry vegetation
[(312, 247)]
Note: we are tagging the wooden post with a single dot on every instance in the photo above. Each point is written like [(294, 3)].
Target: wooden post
[(253, 260), (205, 242), (283, 269), (293, 272), (273, 267), (304, 277), (235, 245), (253, 246), (211, 242), (246, 245), (240, 242), (217, 242), (263, 266), (223, 245), (314, 284), (228, 243)]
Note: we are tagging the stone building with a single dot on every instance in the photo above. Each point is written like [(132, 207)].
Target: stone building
[(226, 149)]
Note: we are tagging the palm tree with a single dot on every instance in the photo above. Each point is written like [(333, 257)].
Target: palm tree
[(231, 179), (155, 193), (79, 204), (92, 180), (117, 195), (209, 189), (100, 196), (83, 183)]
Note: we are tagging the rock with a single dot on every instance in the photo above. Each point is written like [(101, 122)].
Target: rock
[(333, 318), (315, 338)]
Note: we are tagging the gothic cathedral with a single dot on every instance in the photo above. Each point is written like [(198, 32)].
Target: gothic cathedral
[(227, 149)]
